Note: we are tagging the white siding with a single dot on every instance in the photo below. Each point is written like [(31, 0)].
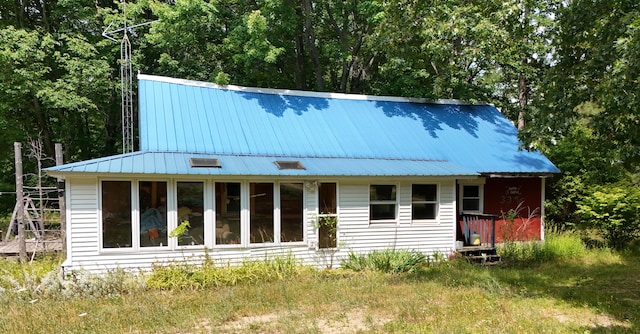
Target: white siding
[(355, 232), (359, 235), (83, 217)]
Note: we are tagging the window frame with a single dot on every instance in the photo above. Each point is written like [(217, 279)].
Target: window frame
[(242, 205), (435, 202), (173, 221), (209, 211), (134, 213), (395, 202), (139, 213), (320, 215), (278, 213), (275, 214), (477, 183)]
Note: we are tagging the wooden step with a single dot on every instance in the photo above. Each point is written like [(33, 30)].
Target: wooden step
[(484, 259), (480, 255)]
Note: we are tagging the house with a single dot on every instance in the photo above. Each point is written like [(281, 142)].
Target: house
[(261, 172)]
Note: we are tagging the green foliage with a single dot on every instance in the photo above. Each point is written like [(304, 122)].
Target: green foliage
[(557, 247), (387, 261), (569, 68), (209, 275), (613, 209), (180, 230), (15, 275)]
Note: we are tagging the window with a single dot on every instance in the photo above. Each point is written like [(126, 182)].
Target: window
[(261, 212), (116, 214), (190, 204), (153, 217), (228, 227), (471, 198), (291, 212), (205, 163), (382, 202), (424, 201), (328, 217), (289, 164)]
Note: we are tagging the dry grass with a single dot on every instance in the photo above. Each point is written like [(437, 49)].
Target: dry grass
[(597, 293)]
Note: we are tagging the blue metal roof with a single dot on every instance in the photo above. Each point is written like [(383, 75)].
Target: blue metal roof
[(177, 163), (341, 134)]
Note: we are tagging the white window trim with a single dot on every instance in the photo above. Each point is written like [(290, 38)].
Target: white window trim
[(396, 202), (209, 215), (276, 198), (278, 218), (214, 218), (320, 215), (480, 183), (134, 209), (436, 202), (173, 223)]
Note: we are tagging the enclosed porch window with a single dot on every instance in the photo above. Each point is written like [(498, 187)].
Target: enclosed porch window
[(153, 213), (116, 214), (291, 212), (190, 204)]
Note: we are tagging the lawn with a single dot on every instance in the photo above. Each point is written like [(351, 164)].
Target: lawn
[(595, 292)]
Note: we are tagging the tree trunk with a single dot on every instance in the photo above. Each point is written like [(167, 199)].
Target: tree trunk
[(310, 39), (523, 100)]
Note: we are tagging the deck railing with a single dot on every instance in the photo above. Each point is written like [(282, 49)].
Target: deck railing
[(481, 224)]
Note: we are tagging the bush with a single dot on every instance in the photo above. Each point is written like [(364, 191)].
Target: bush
[(614, 210), (186, 276), (388, 261), (30, 284), (557, 246)]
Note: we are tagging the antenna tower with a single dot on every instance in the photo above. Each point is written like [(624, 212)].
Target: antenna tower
[(126, 79), (126, 87)]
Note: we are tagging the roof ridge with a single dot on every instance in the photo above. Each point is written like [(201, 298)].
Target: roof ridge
[(304, 93), (298, 156)]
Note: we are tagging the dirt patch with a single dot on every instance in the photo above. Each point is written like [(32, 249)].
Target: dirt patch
[(590, 319), (353, 321)]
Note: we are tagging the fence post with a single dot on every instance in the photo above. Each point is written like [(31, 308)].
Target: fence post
[(17, 148), (62, 205)]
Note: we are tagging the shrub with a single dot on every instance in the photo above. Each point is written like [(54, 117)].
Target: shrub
[(31, 284), (186, 276), (614, 210), (557, 246), (388, 261)]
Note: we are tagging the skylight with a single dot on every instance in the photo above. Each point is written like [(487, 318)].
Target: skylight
[(205, 163), (289, 164)]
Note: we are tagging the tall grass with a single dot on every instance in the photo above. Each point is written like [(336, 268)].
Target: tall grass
[(557, 246), (387, 261), (184, 276), (278, 295)]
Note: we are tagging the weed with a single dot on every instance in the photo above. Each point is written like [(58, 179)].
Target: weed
[(557, 246), (195, 277), (595, 292), (388, 261)]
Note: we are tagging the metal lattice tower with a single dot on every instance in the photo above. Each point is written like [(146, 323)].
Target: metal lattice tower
[(126, 80), (127, 94)]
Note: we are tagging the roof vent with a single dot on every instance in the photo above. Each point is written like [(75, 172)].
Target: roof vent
[(205, 163), (289, 164)]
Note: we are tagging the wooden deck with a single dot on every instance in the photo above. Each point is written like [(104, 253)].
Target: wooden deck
[(12, 248)]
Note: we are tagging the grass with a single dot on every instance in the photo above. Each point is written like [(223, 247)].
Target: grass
[(593, 291)]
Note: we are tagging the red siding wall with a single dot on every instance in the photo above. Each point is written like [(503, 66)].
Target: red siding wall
[(523, 196)]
